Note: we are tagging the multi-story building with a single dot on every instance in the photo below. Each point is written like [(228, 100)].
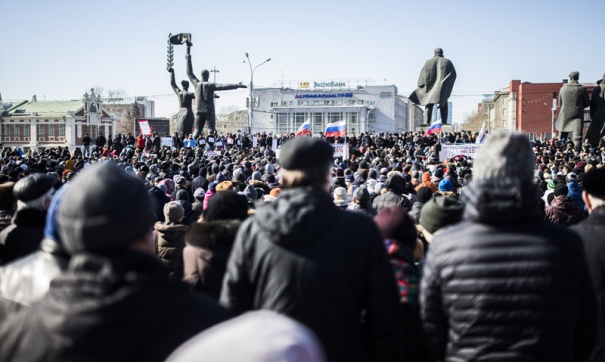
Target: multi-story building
[(364, 108), (36, 124)]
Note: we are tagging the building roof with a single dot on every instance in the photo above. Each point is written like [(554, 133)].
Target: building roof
[(49, 108)]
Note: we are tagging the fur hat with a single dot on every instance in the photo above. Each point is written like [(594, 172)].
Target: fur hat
[(226, 205), (505, 154)]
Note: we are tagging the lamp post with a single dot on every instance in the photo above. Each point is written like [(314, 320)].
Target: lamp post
[(214, 70), (251, 100)]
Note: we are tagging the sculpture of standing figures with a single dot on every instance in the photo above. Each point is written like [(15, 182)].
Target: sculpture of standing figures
[(596, 131), (573, 98), (204, 96), (435, 85), (183, 123)]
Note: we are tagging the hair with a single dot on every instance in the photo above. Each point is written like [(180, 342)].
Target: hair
[(7, 198), (316, 177), (595, 201)]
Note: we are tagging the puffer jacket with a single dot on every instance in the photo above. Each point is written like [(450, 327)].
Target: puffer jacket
[(170, 242), (301, 256), (506, 285), (415, 211), (389, 199), (563, 211)]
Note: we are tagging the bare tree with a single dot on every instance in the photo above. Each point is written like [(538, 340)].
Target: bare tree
[(474, 121)]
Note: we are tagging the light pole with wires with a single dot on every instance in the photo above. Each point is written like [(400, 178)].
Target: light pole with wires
[(251, 102)]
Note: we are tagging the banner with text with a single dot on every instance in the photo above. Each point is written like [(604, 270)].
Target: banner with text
[(341, 150), (449, 151)]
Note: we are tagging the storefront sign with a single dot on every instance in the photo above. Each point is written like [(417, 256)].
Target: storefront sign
[(325, 95)]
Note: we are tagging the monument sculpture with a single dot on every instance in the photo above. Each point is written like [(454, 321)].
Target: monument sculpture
[(596, 131), (183, 123), (204, 96), (573, 99), (435, 86)]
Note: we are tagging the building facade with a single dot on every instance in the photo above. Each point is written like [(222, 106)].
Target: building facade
[(364, 108), (35, 124)]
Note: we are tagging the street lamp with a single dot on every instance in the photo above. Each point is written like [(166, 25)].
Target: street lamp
[(251, 100)]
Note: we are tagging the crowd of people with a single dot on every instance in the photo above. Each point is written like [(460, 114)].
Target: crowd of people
[(260, 248)]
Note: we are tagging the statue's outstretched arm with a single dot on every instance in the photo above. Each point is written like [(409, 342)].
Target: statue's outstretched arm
[(190, 74), (220, 87)]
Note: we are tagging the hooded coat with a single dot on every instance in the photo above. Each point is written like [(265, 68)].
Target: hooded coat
[(563, 211), (505, 285), (206, 254), (120, 307), (170, 242), (300, 256)]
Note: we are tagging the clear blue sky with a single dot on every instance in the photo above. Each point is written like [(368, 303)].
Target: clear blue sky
[(58, 49)]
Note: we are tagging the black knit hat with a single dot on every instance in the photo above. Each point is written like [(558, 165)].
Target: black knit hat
[(33, 186), (104, 209), (561, 189), (303, 153), (424, 194), (226, 205), (440, 212), (594, 182)]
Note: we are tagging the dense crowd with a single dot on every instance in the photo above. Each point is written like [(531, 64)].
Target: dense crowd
[(128, 247)]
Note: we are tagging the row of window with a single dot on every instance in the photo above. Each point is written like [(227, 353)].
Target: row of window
[(23, 130), (349, 102), (290, 122)]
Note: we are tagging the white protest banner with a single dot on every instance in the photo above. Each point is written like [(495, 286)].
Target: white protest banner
[(219, 144), (341, 150), (254, 142), (167, 141), (274, 144), (144, 126), (449, 151)]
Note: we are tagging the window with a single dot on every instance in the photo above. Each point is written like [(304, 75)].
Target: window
[(17, 130), (61, 130), (317, 123), (326, 103), (41, 131), (353, 119), (26, 129), (284, 103), (299, 119), (7, 130), (51, 130), (372, 115), (274, 104), (282, 123)]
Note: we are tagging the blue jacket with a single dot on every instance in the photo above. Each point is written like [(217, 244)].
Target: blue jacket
[(575, 192)]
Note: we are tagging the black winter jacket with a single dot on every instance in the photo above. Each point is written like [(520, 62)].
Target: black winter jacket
[(505, 285), (301, 256), (592, 231), (23, 236), (120, 307), (389, 199)]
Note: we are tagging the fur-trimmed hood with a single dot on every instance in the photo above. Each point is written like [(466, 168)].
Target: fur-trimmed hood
[(210, 234)]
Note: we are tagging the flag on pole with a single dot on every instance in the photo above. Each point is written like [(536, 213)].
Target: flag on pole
[(481, 135), (304, 129), (336, 129), (434, 128)]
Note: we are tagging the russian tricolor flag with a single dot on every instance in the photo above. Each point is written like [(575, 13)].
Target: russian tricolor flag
[(481, 135), (304, 129), (336, 129), (434, 128)]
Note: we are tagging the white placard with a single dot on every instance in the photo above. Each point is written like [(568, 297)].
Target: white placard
[(254, 142), (167, 141), (341, 150), (449, 151), (144, 126)]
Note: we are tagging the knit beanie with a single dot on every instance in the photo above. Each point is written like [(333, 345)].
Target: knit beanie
[(424, 194), (340, 196), (445, 185), (561, 189), (505, 154), (104, 209), (394, 223), (440, 212), (174, 211)]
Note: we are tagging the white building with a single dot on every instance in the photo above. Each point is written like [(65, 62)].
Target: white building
[(35, 124), (364, 108)]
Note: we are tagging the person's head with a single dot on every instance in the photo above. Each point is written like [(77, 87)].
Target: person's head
[(7, 197), (34, 191), (205, 75), (594, 189), (106, 210), (361, 196), (396, 225), (185, 84), (340, 197), (173, 212), (575, 75), (439, 52), (440, 212), (305, 161), (395, 183), (561, 190), (505, 154), (226, 205)]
